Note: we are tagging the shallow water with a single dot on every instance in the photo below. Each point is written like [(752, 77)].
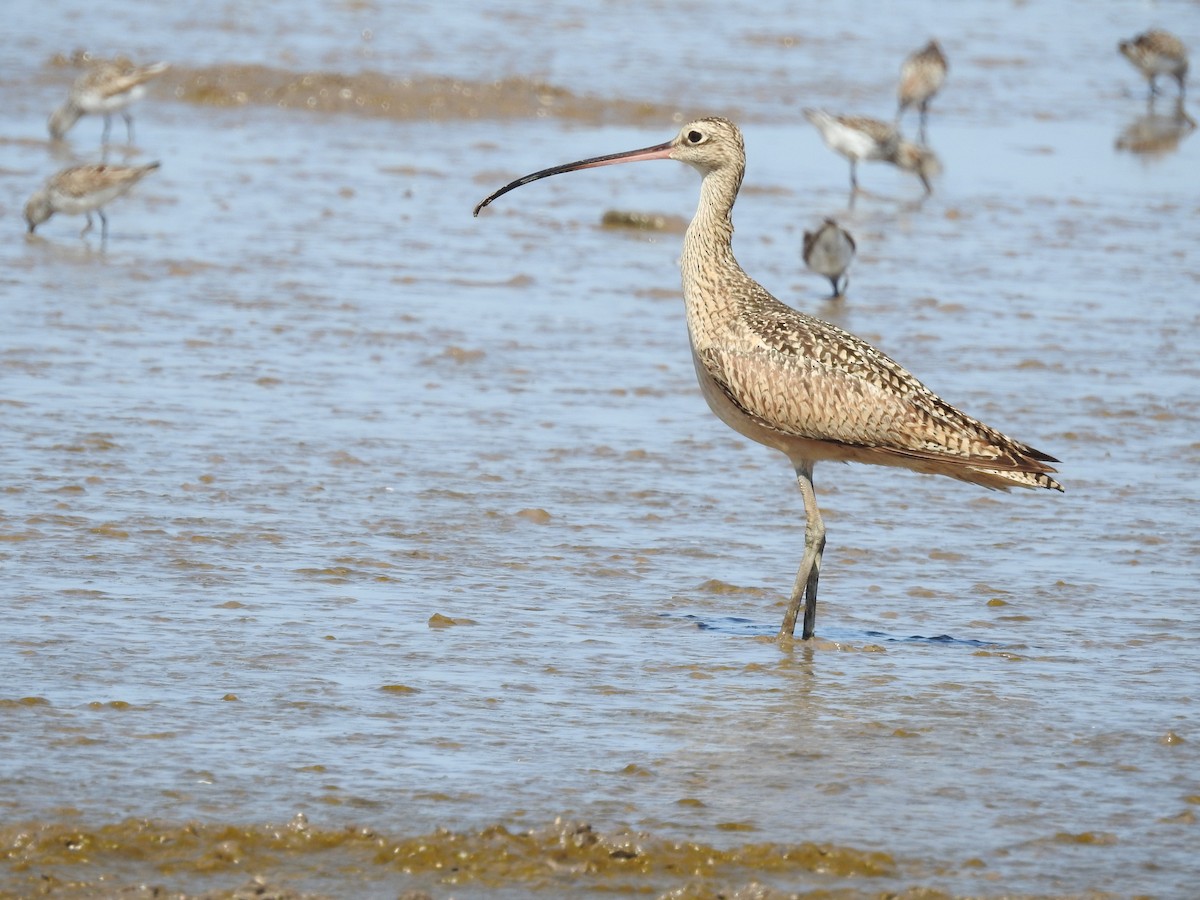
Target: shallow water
[(321, 497)]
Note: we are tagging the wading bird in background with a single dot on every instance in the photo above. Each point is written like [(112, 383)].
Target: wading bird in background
[(82, 190), (829, 251), (858, 138), (921, 76), (1157, 52), (796, 383), (105, 88)]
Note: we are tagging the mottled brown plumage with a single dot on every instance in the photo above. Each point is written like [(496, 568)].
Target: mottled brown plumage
[(82, 190), (1157, 52), (921, 77), (105, 88), (799, 384)]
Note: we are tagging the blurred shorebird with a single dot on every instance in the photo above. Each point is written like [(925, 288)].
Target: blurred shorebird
[(829, 251), (799, 384), (82, 190), (1157, 52), (105, 88), (921, 76), (858, 138)]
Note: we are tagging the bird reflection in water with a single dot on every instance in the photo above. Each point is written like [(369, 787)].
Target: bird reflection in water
[(1156, 134)]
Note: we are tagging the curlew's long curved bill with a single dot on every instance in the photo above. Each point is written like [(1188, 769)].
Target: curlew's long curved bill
[(658, 151)]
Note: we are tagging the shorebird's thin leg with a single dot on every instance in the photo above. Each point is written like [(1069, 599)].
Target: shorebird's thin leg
[(1182, 114), (854, 176), (128, 126), (103, 225), (805, 589), (107, 128), (924, 115), (88, 226), (833, 281)]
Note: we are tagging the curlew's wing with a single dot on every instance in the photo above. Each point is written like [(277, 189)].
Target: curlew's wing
[(805, 378)]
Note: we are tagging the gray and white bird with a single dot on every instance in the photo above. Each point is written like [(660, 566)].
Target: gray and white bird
[(82, 190), (105, 88), (829, 251)]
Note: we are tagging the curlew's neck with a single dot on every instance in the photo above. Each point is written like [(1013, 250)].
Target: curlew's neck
[(711, 274)]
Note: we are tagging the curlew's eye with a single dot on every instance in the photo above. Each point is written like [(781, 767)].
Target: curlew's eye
[(695, 137)]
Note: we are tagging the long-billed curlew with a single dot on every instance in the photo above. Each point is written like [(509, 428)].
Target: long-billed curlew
[(921, 76), (1157, 52), (104, 89), (799, 384), (82, 190), (859, 137), (829, 251)]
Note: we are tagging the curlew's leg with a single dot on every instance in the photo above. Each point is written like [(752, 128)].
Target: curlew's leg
[(833, 281), (107, 128), (88, 226), (853, 176), (128, 126), (103, 226), (805, 589), (924, 116)]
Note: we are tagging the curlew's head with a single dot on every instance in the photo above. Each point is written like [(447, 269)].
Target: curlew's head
[(708, 145)]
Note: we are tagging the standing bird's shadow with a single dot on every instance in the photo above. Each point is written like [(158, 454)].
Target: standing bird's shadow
[(739, 626)]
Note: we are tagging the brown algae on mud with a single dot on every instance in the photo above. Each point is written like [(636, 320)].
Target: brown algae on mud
[(192, 856), (643, 221), (379, 95)]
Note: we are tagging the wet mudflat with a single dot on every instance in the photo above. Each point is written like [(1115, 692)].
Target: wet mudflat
[(367, 547)]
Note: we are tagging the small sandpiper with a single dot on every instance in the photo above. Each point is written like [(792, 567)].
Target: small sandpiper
[(82, 190), (921, 76), (104, 89), (1157, 52), (858, 138), (829, 251)]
